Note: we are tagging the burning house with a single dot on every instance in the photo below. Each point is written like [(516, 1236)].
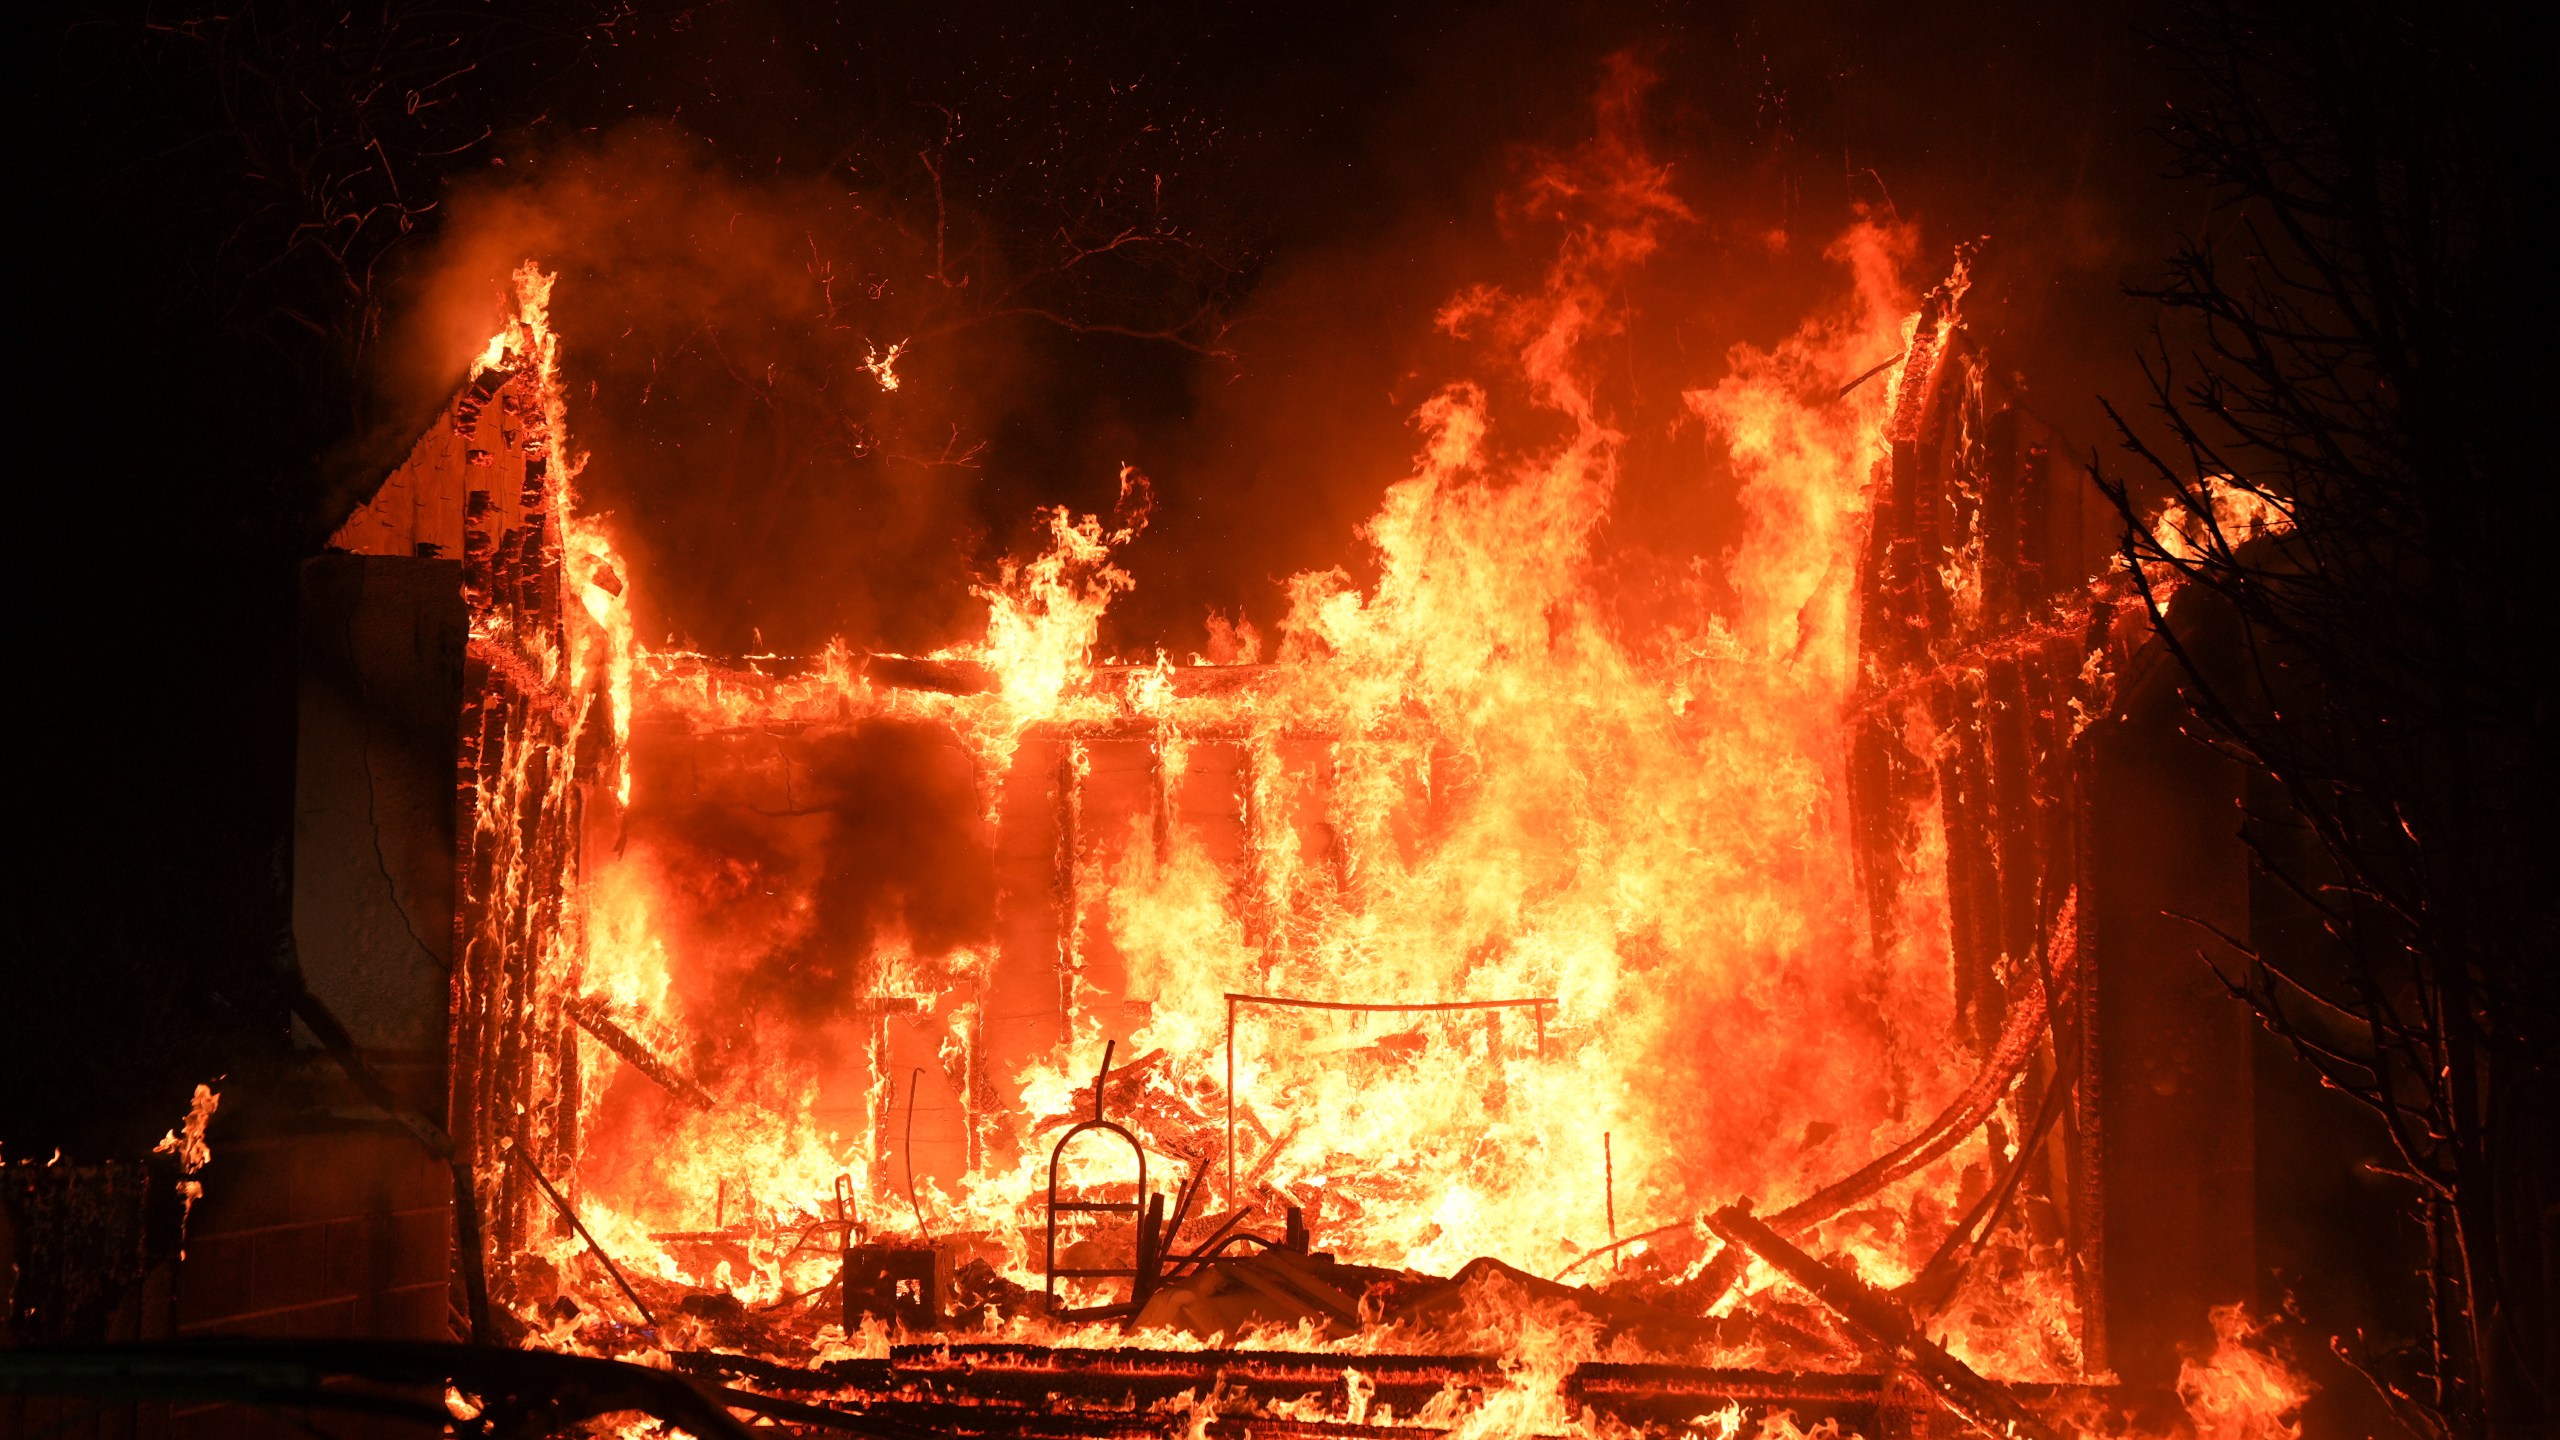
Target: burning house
[(1454, 1007), (1524, 990)]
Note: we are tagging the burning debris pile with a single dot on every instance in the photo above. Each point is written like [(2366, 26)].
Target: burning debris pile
[(1490, 946)]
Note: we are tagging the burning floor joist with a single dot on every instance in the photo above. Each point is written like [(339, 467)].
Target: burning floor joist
[(1041, 1393)]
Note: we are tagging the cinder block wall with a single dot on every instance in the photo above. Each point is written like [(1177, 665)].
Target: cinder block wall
[(342, 1232), (322, 1217)]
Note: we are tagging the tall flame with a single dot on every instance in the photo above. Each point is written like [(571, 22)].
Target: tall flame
[(1471, 779)]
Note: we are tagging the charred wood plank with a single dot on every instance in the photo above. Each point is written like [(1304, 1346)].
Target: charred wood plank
[(987, 1373), (560, 1202), (1675, 1395), (1882, 1320), (593, 1017), (943, 677), (826, 1417)]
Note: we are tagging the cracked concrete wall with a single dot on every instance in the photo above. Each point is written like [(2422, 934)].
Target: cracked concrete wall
[(322, 1217), (380, 714)]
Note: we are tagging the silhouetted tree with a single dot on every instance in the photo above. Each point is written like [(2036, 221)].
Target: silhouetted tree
[(2352, 451)]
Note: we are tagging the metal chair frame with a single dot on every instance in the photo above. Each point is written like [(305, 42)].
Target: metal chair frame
[(1157, 1260), (1146, 1209)]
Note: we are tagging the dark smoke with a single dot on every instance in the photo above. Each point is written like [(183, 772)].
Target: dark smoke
[(1212, 246), (789, 865)]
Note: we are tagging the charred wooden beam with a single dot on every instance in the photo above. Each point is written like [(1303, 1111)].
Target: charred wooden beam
[(593, 1017), (1882, 1320), (1675, 1395), (1035, 1392), (1031, 1373), (569, 1213), (1014, 1389), (827, 1417), (943, 677)]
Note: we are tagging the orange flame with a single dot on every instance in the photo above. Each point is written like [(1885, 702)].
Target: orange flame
[(187, 1142), (1464, 781), (2246, 1389)]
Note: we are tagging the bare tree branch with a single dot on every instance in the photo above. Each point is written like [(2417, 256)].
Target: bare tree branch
[(2344, 453)]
